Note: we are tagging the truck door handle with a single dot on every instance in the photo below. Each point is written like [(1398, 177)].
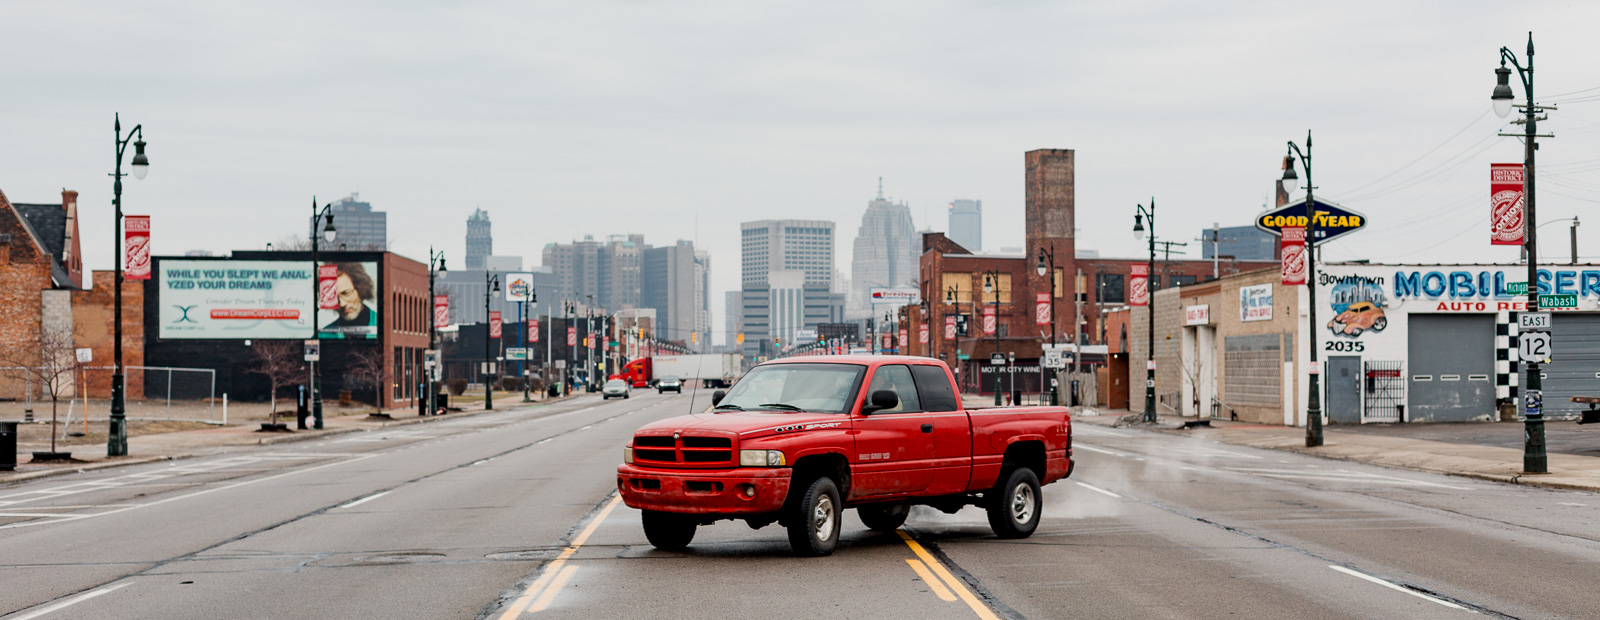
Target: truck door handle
[(927, 428)]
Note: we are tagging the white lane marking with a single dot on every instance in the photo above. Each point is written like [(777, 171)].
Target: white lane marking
[(365, 500), (1100, 450), (73, 601), (234, 464), (1096, 489), (1386, 584), (1339, 475), (1408, 480), (235, 485), (1092, 430), (1572, 504)]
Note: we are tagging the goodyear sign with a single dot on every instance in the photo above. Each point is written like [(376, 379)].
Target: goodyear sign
[(1331, 221)]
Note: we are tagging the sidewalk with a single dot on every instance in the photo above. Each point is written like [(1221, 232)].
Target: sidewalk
[(186, 444), (1465, 449)]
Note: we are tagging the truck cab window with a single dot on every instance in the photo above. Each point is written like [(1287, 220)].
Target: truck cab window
[(897, 379), (933, 389)]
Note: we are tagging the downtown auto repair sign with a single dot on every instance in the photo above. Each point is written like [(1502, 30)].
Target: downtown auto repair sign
[(1331, 222)]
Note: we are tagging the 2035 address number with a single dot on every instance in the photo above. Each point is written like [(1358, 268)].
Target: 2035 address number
[(1344, 345)]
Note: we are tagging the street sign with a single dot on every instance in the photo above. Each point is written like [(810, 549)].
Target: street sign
[(1053, 358), (1517, 288), (963, 356), (85, 355), (997, 359), (1533, 346), (1332, 222), (430, 358), (516, 353), (1558, 301), (1533, 321), (313, 350)]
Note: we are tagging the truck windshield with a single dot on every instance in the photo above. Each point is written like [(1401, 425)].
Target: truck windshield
[(825, 388)]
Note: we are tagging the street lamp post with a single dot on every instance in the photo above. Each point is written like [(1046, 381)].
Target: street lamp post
[(117, 432), (1314, 397), (435, 267), (951, 299), (1534, 459), (1140, 214), (1047, 268), (325, 215), (491, 285), (991, 284)]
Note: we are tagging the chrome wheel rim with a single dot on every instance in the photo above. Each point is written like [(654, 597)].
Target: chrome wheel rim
[(1022, 504), (823, 517)]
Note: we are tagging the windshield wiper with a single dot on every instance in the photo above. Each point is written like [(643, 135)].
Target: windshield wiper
[(729, 407), (781, 406)]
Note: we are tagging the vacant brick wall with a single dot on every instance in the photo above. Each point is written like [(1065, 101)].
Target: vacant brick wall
[(91, 322)]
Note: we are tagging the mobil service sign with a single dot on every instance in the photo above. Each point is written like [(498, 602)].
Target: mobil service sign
[(1329, 222)]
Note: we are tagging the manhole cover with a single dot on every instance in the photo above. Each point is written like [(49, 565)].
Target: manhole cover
[(402, 557), (528, 554)]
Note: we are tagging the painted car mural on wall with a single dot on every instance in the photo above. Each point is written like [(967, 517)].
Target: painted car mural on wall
[(1357, 305), (1357, 318)]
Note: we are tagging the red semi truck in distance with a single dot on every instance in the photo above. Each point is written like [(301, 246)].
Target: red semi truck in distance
[(798, 440), (711, 368)]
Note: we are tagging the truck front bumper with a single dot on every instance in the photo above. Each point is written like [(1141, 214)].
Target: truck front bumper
[(731, 492)]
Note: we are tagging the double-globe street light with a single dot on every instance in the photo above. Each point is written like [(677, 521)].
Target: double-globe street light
[(1534, 459), (1290, 180), (435, 267), (329, 232), (117, 433), (1047, 268), (1141, 214)]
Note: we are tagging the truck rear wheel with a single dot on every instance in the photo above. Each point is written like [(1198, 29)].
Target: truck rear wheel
[(1014, 507), (884, 517), (814, 524), (667, 531)]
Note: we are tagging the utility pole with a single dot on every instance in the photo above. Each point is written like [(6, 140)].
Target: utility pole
[(1574, 239)]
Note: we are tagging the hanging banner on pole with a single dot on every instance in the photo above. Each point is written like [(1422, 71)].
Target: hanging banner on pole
[(1506, 220), (572, 336), (494, 324), (902, 341), (988, 320), (1293, 245), (1139, 285), (922, 334), (1041, 309), (136, 247), (533, 330), (441, 311), (950, 327)]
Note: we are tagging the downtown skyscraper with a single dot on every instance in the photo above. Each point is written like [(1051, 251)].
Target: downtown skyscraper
[(885, 252)]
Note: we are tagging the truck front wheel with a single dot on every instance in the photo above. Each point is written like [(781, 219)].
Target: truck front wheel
[(667, 531), (814, 524), (884, 517), (1014, 508)]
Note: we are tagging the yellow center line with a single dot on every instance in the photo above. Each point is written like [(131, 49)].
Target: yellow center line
[(556, 573), (956, 586), (933, 582)]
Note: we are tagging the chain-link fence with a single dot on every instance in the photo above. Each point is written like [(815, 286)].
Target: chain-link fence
[(152, 393)]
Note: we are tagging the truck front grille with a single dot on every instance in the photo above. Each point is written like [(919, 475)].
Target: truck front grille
[(687, 451)]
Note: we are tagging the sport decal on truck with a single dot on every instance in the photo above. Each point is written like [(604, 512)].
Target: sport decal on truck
[(805, 427), (874, 456)]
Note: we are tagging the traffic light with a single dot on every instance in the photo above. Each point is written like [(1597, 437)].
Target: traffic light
[(741, 338), (776, 341)]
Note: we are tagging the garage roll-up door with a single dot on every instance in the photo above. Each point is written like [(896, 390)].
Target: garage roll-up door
[(1574, 368)]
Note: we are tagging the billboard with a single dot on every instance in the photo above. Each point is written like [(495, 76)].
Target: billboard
[(519, 287), (353, 313), (234, 300), (900, 296)]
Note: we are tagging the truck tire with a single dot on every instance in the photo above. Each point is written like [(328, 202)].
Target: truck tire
[(667, 531), (1014, 509), (814, 524), (884, 517)]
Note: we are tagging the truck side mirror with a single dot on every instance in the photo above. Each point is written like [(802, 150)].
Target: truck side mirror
[(716, 397), (880, 400)]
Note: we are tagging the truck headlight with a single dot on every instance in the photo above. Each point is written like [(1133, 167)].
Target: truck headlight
[(761, 458), (627, 455)]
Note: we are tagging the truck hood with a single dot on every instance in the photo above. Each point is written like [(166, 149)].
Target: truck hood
[(747, 424)]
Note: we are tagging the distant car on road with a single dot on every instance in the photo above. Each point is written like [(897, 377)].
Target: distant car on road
[(1359, 317), (671, 383), (615, 387)]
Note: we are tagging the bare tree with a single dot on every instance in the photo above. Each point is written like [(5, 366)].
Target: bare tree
[(49, 361), (281, 361), (366, 371), (302, 243)]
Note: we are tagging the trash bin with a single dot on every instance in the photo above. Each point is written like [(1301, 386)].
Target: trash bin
[(553, 391), (8, 446), (441, 402)]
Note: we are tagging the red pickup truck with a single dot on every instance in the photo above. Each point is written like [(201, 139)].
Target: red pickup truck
[(797, 440)]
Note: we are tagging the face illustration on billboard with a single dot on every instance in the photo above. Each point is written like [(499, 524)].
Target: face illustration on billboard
[(355, 311)]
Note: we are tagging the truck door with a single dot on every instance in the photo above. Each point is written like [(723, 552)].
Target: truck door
[(894, 455), (952, 430)]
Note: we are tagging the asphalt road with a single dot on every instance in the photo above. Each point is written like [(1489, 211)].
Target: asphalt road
[(513, 514)]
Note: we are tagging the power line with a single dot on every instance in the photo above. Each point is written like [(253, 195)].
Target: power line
[(1420, 157)]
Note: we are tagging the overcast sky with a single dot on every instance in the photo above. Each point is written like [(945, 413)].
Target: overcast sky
[(681, 119)]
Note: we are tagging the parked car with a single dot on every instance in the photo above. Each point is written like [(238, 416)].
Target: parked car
[(669, 383), (798, 440), (615, 387), (1359, 317)]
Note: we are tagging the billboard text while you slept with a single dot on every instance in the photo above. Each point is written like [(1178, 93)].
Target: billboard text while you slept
[(240, 300)]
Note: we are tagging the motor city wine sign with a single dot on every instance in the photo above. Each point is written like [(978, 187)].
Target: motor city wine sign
[(1506, 222)]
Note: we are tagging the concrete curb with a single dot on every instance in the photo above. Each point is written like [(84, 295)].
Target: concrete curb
[(6, 479)]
